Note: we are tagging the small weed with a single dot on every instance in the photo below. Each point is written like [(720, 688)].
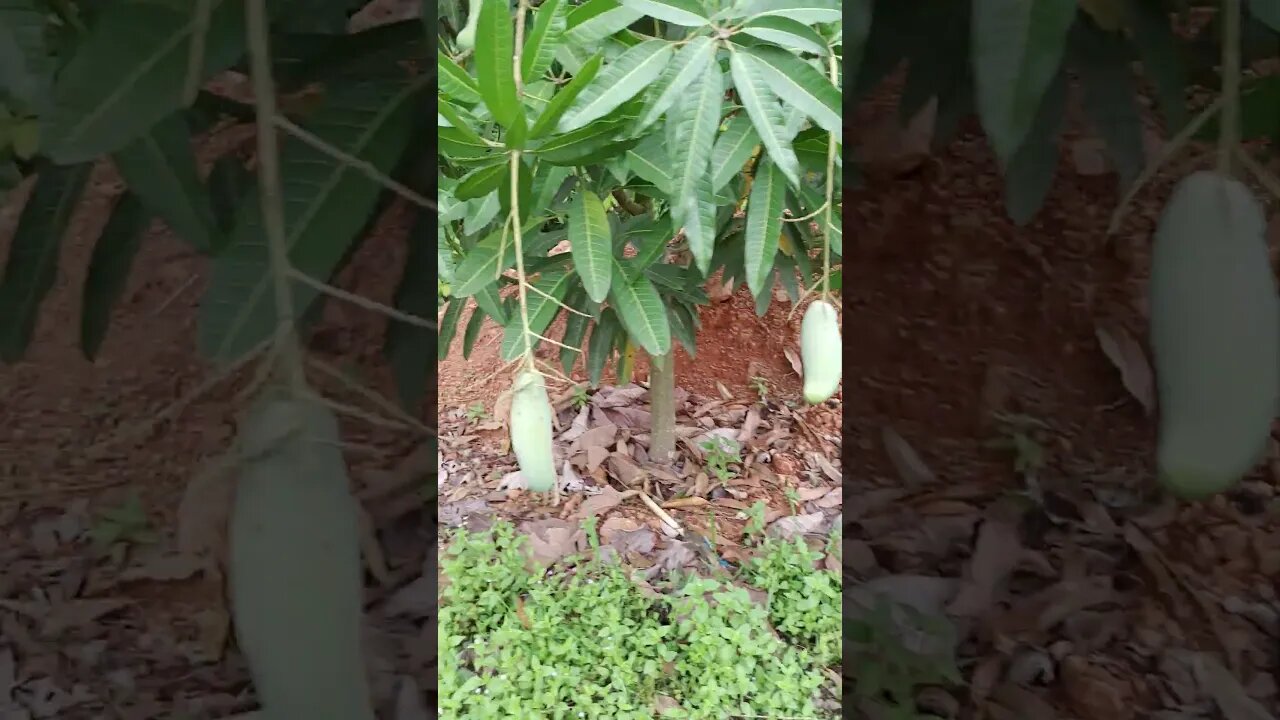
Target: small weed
[(126, 523), (580, 397), (804, 602), (1025, 436), (761, 386), (476, 412), (793, 499), (721, 453), (755, 521), (591, 644), (896, 651)]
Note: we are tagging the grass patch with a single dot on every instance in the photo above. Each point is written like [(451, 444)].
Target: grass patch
[(587, 641)]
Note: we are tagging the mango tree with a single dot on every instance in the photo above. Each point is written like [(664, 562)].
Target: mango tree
[(666, 141)]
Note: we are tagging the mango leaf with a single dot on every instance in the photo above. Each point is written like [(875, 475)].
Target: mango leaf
[(617, 83), (809, 12), (160, 169), (491, 303), (641, 311), (454, 81), (732, 149), (786, 32), (481, 181), (677, 12), (112, 89), (764, 224), (26, 66), (479, 269), (563, 99), (1017, 49), (109, 268), (596, 20), (575, 329), (1029, 174), (408, 349), (448, 327), (1102, 61), (682, 327), (524, 191), (494, 70), (600, 346), (695, 128), (544, 37), (469, 336), (800, 85), (590, 242), (691, 62), (33, 255), (649, 160), (592, 144), (370, 114), (541, 309), (765, 113)]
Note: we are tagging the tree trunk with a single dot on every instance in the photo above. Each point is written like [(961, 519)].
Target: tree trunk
[(662, 406)]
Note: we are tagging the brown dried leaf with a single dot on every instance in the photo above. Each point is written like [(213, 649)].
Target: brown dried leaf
[(792, 525), (606, 500), (1219, 683), (910, 466), (995, 555), (599, 436), (1126, 354)]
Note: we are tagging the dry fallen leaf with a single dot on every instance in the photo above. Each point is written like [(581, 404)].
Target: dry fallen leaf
[(910, 466), (1126, 354), (606, 500), (995, 555), (1218, 682)]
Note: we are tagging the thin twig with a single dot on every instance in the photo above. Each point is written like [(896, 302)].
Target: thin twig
[(361, 301), (557, 343), (367, 168), (806, 217), (371, 418), (1264, 176), (289, 359), (1166, 154), (385, 405), (1229, 129), (550, 297), (662, 514), (173, 409)]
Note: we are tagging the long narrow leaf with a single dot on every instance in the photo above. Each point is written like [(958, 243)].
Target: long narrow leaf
[(801, 86), (641, 311), (696, 132), (160, 169), (688, 64), (370, 115), (129, 74), (765, 113), (677, 12), (617, 83), (542, 311), (732, 149), (109, 268), (591, 243), (494, 61), (454, 81), (33, 254), (544, 38), (764, 223), (565, 97)]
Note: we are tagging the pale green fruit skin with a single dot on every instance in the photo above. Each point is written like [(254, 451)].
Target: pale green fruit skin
[(531, 431), (1215, 335), (467, 38), (295, 578), (820, 351)]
